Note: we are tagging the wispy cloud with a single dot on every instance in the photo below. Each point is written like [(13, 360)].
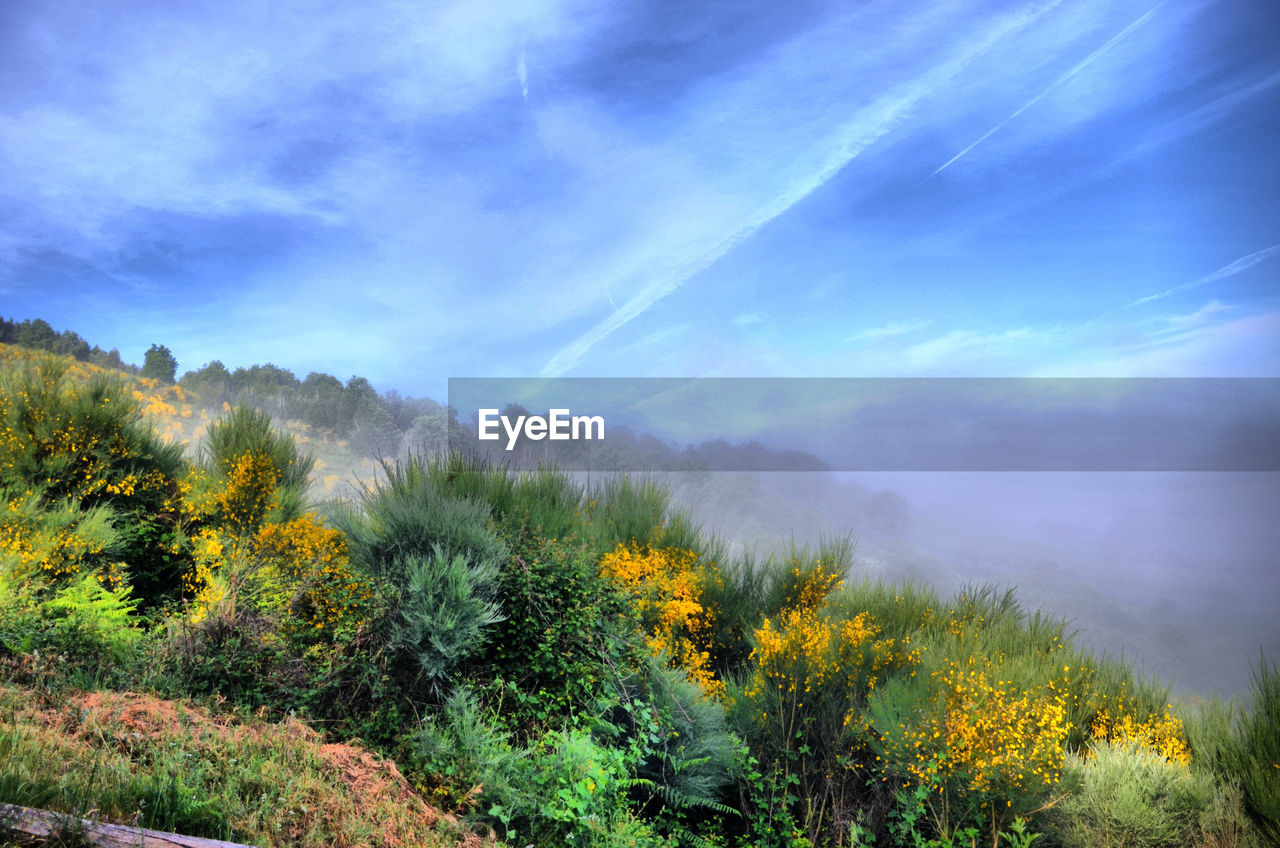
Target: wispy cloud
[(947, 351), (867, 126), (1244, 263), (1075, 70), (1203, 315), (896, 328), (382, 186)]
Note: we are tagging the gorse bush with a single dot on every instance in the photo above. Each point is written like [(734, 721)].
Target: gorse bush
[(664, 587), (1242, 747), (77, 441), (48, 543), (259, 475), (988, 748), (622, 510), (541, 502)]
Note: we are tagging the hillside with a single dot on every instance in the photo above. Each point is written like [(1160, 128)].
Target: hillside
[(186, 642)]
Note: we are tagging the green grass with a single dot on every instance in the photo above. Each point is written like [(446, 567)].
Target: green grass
[(159, 764)]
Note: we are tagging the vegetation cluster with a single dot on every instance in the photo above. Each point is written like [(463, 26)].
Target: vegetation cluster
[(187, 642)]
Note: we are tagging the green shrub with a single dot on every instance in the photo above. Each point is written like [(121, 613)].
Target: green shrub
[(406, 515), (1126, 796), (79, 439), (732, 590), (261, 475), (1225, 823), (447, 605), (1259, 752), (543, 502), (567, 640), (580, 791), (44, 544), (628, 510), (470, 763), (86, 626), (677, 737), (1243, 747)]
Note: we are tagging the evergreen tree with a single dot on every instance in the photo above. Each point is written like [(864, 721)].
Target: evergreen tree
[(159, 364)]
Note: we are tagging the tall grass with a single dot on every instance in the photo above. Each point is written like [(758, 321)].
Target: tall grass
[(544, 502), (161, 765)]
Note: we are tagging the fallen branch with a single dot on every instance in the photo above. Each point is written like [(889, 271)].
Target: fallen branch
[(43, 823)]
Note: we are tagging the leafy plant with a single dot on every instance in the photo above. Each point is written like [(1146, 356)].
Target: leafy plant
[(259, 475), (1130, 797), (406, 515), (72, 438), (447, 605)]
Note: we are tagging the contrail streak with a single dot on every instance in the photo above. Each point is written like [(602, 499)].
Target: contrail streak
[(860, 132), (1080, 66), (1222, 273), (522, 73)]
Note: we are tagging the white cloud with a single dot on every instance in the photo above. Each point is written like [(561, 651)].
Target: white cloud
[(895, 328)]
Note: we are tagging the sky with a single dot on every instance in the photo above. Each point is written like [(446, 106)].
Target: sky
[(412, 191)]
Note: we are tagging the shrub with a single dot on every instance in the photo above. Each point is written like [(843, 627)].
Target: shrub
[(406, 515), (625, 510), (257, 474), (1259, 752), (1130, 797), (543, 502), (567, 641), (803, 698), (664, 588), (48, 544), (986, 746), (1243, 748), (78, 441), (580, 789), (469, 763), (687, 752), (86, 625), (447, 605)]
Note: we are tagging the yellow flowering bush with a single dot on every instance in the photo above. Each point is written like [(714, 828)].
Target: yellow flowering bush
[(308, 564), (978, 745), (1160, 733), (987, 731), (56, 543), (297, 572), (809, 583), (247, 494), (663, 585), (73, 440)]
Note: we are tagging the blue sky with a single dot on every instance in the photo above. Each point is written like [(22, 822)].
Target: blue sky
[(411, 191)]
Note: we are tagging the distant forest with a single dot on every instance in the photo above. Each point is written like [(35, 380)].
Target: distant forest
[(373, 424), (386, 424)]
